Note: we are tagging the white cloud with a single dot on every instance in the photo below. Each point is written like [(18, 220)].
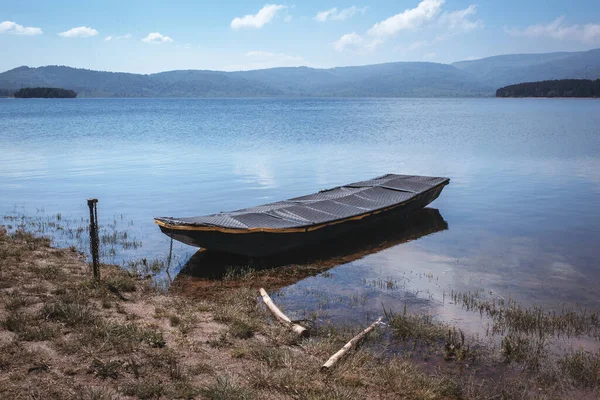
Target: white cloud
[(409, 19), (416, 45), (356, 43), (459, 20), (333, 15), (559, 30), (428, 13), (323, 16), (429, 56), (156, 38), (15, 29), (108, 38), (81, 31), (262, 17), (427, 43), (287, 18)]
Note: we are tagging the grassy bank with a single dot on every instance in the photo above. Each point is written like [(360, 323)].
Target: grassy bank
[(65, 336)]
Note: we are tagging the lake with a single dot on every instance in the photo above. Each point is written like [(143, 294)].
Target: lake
[(520, 218)]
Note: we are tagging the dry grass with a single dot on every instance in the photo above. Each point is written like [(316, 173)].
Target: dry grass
[(55, 322), (65, 336), (582, 368), (224, 389)]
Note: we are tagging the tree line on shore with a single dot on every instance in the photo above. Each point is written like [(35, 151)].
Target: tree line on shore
[(554, 88), (44, 92), (550, 88), (39, 92)]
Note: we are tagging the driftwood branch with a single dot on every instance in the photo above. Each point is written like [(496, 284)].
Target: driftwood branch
[(337, 356), (281, 317)]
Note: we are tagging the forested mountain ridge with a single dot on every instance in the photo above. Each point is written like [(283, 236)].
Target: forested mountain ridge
[(399, 79), (89, 83), (383, 80)]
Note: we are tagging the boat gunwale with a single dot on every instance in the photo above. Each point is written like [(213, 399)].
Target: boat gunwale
[(308, 228)]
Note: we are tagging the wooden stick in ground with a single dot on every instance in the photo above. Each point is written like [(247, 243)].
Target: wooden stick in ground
[(281, 317), (337, 356)]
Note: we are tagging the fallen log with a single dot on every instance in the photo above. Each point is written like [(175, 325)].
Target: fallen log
[(337, 356), (281, 317)]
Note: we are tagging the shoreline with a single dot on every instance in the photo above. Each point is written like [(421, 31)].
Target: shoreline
[(63, 333)]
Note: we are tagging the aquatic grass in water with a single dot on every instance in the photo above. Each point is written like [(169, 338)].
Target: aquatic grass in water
[(508, 315), (424, 337), (388, 283), (117, 244), (144, 267), (63, 232), (526, 337)]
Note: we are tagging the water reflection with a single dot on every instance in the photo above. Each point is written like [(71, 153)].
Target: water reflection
[(209, 269)]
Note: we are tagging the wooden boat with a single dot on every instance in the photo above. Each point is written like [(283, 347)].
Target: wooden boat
[(285, 225), (318, 257)]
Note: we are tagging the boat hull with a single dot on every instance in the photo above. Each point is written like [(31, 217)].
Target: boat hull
[(262, 244)]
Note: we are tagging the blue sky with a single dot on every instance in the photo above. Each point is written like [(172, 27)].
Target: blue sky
[(151, 36)]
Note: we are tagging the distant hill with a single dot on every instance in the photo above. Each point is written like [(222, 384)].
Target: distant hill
[(505, 70), (399, 79), (556, 88), (383, 80), (88, 83)]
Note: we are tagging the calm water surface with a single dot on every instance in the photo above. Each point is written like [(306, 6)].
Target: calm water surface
[(522, 210)]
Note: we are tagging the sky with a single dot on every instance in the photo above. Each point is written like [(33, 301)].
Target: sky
[(147, 36)]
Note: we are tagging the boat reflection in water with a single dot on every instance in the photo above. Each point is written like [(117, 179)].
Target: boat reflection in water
[(207, 272)]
